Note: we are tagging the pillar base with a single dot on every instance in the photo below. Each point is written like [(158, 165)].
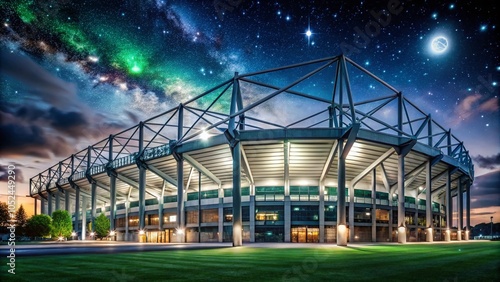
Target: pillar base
[(142, 238), (429, 237), (467, 235), (447, 236), (342, 235), (402, 235), (459, 235)]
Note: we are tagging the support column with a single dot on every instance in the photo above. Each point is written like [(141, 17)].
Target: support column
[(36, 205), (142, 187), (467, 211), (449, 210), (58, 200), (401, 200), (460, 203), (341, 222), (321, 212), (237, 219), (351, 213), (127, 205), (180, 201), (287, 204), (374, 205), (85, 200), (49, 203), (112, 202), (252, 213), (43, 210), (67, 205), (428, 202), (76, 223), (93, 203), (221, 215)]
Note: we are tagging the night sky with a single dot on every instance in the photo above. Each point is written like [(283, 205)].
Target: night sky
[(72, 72)]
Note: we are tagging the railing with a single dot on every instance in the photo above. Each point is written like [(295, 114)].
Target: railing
[(156, 152), (124, 161)]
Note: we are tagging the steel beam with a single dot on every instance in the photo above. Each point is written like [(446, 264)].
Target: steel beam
[(194, 163), (161, 174), (246, 165), (329, 161), (372, 166)]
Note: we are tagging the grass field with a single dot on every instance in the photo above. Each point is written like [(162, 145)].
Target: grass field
[(415, 262)]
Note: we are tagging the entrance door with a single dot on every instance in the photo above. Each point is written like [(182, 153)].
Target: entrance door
[(312, 235), (305, 234)]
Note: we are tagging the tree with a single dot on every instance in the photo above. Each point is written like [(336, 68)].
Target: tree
[(21, 220), (102, 225), (4, 214), (61, 224), (38, 225)]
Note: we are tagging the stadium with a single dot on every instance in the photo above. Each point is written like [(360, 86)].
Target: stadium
[(313, 159)]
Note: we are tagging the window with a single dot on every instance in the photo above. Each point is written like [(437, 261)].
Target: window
[(362, 215), (133, 220), (245, 191), (304, 193), (170, 217), (191, 216), (245, 214), (134, 204), (305, 213), (152, 219), (192, 196), (120, 222), (269, 234), (382, 216), (330, 213), (269, 213), (210, 194), (153, 201), (211, 215), (270, 193), (170, 199)]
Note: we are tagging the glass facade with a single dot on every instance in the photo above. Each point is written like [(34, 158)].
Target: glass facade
[(304, 193), (269, 214), (270, 193), (305, 213), (304, 218)]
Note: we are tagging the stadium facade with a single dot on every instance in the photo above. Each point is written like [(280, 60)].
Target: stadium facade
[(249, 161)]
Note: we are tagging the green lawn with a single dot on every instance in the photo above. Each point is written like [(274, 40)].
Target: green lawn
[(416, 262)]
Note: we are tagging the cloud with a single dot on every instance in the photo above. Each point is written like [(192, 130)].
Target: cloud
[(486, 190), (487, 162), (4, 172), (473, 105), (40, 82)]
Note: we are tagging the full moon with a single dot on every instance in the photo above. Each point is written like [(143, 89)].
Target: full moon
[(439, 44)]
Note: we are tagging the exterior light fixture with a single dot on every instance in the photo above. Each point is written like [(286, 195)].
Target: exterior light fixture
[(141, 232), (112, 233), (92, 234), (204, 135)]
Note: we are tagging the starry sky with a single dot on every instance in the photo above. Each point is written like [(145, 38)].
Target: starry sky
[(73, 72)]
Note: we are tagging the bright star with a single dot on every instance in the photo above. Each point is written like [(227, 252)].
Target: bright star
[(308, 33), (483, 27)]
